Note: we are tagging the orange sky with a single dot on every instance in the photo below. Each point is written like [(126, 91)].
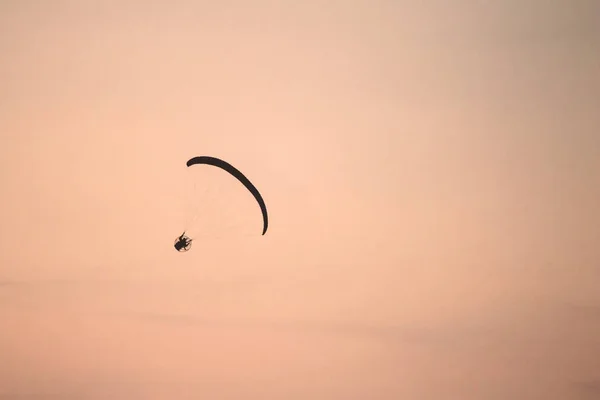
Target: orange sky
[(431, 171)]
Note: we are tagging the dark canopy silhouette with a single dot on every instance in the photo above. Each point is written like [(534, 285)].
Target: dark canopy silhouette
[(240, 177)]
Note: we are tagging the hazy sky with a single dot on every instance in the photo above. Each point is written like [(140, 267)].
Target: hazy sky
[(431, 169)]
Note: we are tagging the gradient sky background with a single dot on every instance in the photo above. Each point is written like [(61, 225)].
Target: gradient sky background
[(431, 168)]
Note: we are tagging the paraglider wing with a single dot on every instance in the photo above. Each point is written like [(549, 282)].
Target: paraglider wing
[(240, 177)]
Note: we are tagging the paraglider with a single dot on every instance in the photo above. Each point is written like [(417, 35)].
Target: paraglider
[(183, 243)]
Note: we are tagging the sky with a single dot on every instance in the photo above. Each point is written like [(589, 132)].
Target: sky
[(431, 171)]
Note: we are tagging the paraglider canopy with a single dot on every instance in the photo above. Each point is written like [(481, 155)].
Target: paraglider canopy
[(240, 177)]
